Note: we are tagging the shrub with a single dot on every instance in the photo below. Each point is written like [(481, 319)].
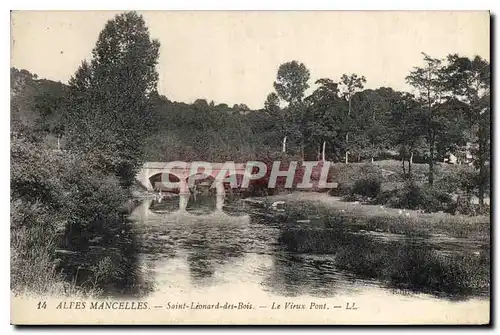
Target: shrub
[(464, 180), (411, 196), (66, 223), (343, 189), (369, 187), (399, 263), (32, 247), (369, 171)]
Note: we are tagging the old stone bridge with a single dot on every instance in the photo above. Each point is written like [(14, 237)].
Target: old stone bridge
[(153, 175)]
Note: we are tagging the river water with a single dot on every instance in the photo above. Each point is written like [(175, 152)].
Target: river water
[(261, 255)]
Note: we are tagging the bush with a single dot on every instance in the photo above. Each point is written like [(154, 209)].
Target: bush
[(343, 189), (66, 223), (369, 187), (32, 247), (414, 197), (398, 263), (464, 180)]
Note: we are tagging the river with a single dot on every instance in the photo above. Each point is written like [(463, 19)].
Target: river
[(261, 255)]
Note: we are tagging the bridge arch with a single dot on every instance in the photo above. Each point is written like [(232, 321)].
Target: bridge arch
[(182, 171), (158, 182), (204, 180)]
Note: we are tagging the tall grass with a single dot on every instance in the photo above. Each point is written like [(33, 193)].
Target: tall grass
[(371, 217), (410, 263), (402, 252), (34, 267)]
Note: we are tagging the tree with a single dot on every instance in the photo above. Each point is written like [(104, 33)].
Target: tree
[(222, 107), (201, 104), (24, 92), (406, 125), (428, 81), (349, 85), (51, 105), (326, 117), (243, 107), (371, 111), (112, 112), (290, 85), (272, 107), (468, 80), (272, 103), (291, 82)]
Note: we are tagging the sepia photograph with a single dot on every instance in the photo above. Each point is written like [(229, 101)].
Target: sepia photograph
[(250, 168)]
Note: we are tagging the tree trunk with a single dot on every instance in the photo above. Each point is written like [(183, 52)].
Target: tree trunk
[(431, 159), (323, 152), (482, 166), (410, 161), (346, 150), (432, 140), (347, 135), (403, 161), (302, 148), (482, 185), (284, 144)]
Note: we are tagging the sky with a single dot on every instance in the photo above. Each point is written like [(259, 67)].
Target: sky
[(233, 57)]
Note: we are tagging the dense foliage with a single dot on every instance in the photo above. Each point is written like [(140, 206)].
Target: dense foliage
[(67, 218), (76, 148)]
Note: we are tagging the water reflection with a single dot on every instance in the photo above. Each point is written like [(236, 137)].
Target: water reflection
[(299, 274), (292, 257), (209, 237), (413, 264), (106, 260), (211, 244)]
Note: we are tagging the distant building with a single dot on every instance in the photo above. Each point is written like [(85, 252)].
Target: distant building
[(452, 159), (461, 156)]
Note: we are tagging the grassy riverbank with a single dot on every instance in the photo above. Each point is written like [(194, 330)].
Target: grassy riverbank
[(435, 253), (389, 220)]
